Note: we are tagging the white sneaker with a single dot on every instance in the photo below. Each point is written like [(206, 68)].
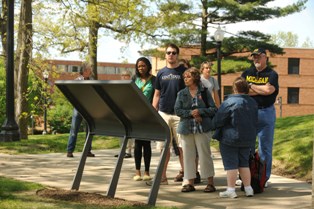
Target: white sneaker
[(249, 192), (266, 184), (238, 182), (228, 194)]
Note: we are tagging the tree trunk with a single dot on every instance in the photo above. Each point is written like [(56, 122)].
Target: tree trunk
[(21, 71), (3, 28), (204, 29), (92, 48)]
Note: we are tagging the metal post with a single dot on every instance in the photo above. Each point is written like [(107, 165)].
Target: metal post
[(10, 129), (32, 118), (219, 68), (279, 101)]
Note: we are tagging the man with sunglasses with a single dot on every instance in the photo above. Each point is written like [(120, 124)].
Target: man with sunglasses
[(169, 81), (264, 88)]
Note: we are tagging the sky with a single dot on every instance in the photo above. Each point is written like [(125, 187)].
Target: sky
[(300, 24)]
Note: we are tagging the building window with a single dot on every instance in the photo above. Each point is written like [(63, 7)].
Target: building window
[(62, 68), (293, 95), (110, 70), (293, 66), (73, 69), (227, 91), (101, 70), (120, 70)]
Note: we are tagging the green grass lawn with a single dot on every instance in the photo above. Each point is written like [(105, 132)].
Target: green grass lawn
[(16, 194), (292, 154), (293, 146), (37, 144)]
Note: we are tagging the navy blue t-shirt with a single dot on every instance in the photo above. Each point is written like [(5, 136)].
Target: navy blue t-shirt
[(263, 77), (169, 81)]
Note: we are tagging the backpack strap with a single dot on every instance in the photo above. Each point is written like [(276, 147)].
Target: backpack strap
[(204, 96)]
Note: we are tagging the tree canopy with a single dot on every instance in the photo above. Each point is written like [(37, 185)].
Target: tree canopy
[(285, 39), (189, 22)]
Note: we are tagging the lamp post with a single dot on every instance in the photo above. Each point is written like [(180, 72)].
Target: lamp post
[(45, 76), (10, 129), (219, 36)]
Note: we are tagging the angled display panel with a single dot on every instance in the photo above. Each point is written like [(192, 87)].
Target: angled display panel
[(116, 108), (106, 103)]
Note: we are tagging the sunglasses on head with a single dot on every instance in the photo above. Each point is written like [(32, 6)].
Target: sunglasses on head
[(208, 63), (173, 53)]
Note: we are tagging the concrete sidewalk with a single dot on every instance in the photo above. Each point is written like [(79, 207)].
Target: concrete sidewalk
[(57, 170)]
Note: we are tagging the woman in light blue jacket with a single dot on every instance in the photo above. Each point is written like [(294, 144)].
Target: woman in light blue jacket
[(195, 107)]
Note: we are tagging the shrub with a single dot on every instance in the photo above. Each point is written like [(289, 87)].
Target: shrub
[(59, 113), (2, 92)]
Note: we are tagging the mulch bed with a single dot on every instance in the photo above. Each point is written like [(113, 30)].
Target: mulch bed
[(84, 197)]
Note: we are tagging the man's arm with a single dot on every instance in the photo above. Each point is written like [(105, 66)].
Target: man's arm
[(266, 89), (156, 99), (216, 98)]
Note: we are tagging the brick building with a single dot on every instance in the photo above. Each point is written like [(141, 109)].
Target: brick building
[(296, 79), (68, 70)]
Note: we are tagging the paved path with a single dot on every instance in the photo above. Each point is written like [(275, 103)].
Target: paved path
[(57, 170)]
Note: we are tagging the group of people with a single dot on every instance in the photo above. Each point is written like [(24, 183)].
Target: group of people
[(187, 99)]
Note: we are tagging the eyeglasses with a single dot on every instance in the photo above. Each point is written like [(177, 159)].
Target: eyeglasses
[(173, 53)]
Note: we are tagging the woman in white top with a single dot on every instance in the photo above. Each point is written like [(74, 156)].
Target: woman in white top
[(210, 82)]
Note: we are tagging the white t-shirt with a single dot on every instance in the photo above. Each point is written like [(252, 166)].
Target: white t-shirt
[(211, 83)]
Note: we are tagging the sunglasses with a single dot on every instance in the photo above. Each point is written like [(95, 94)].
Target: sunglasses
[(173, 53), (257, 57)]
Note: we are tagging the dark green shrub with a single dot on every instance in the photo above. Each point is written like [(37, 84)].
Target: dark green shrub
[(2, 92), (59, 113)]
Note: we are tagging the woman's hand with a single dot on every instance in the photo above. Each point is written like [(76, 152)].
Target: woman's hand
[(198, 119), (195, 113)]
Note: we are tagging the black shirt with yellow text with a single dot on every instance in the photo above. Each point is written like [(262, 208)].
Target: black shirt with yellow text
[(263, 77)]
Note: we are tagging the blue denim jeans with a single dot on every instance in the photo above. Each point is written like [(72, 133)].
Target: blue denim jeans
[(265, 134), (75, 126)]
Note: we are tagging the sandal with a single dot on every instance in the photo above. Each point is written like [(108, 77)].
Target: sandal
[(188, 188), (209, 188), (164, 181), (179, 177), (137, 178), (147, 178)]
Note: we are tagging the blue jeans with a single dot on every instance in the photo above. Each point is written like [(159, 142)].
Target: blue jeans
[(234, 157), (75, 127), (265, 134)]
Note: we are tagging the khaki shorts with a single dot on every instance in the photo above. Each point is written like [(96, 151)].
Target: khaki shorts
[(173, 122)]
